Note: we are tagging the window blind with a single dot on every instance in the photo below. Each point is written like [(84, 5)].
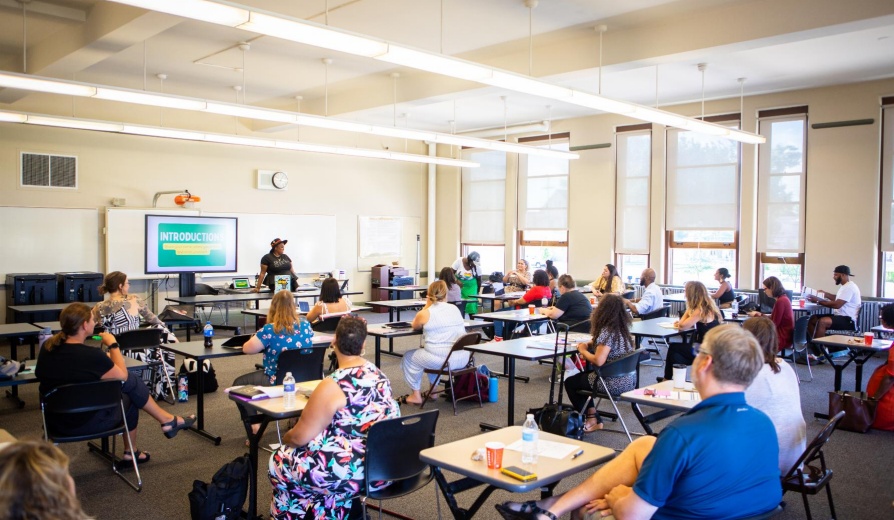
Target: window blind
[(543, 190), (781, 184), (484, 198), (887, 242), (702, 182), (633, 164)]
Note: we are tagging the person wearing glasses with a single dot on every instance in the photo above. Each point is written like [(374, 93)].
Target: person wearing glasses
[(718, 460)]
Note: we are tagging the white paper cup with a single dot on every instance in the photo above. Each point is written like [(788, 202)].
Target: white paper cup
[(679, 376)]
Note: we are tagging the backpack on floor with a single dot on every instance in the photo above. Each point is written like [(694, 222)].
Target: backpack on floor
[(223, 498), (464, 386), (188, 368)]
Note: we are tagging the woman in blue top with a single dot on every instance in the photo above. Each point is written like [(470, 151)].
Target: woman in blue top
[(285, 330)]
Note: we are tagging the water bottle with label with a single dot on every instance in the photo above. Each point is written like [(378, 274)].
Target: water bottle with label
[(530, 433), (735, 308), (182, 388), (288, 391), (209, 334)]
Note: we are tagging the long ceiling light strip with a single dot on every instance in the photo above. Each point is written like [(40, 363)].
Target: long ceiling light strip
[(73, 88), (310, 33), (187, 135)]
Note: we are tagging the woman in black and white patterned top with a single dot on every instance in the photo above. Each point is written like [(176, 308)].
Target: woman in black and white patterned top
[(122, 311), (610, 328)]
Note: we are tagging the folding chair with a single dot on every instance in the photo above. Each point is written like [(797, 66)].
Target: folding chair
[(809, 479), (626, 364), (90, 397), (150, 340), (799, 345), (472, 338), (399, 462)]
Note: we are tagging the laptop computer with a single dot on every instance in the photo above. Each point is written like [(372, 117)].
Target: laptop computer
[(236, 341), (241, 283)]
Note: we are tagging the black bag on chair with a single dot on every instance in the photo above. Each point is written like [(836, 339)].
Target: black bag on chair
[(224, 496), (559, 419)]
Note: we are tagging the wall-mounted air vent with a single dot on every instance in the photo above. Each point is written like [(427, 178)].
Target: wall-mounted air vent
[(49, 171)]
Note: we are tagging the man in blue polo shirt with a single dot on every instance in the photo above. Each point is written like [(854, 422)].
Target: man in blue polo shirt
[(717, 461)]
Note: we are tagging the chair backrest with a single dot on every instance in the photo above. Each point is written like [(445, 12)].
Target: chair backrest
[(203, 289), (79, 398), (628, 295), (387, 459), (800, 330), (139, 338), (623, 365), (305, 364), (663, 312), (581, 326), (471, 338), (328, 322), (814, 450)]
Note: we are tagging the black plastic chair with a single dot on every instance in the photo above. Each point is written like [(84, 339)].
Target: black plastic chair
[(149, 339), (624, 365), (810, 479), (203, 289), (399, 462), (799, 345), (90, 397), (328, 323), (472, 338), (305, 364), (663, 312)]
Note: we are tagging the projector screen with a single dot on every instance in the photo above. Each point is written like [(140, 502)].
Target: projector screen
[(190, 244)]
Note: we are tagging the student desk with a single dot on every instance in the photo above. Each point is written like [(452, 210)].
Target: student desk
[(17, 333), (395, 306), (27, 312), (501, 298), (456, 457), (533, 348), (654, 329), (196, 350), (857, 352), (383, 331), (514, 318), (262, 412), (262, 313), (394, 291), (684, 401)]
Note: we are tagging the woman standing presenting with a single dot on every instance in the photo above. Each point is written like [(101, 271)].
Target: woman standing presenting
[(468, 274), (276, 263)]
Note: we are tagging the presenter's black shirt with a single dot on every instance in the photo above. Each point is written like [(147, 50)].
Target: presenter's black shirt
[(277, 265)]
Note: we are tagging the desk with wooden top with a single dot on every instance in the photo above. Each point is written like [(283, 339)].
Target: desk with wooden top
[(456, 457)]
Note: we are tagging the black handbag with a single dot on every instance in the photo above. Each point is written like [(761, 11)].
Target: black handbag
[(555, 417)]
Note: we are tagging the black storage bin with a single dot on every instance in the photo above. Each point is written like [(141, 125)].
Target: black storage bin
[(79, 287), (31, 289)]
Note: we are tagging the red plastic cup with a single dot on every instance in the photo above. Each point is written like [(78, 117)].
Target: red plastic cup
[(531, 309), (802, 303), (867, 338), (494, 454)]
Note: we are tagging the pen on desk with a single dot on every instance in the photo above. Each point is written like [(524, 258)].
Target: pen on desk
[(577, 454)]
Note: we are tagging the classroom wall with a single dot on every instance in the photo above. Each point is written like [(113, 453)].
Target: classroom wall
[(224, 176), (843, 179)]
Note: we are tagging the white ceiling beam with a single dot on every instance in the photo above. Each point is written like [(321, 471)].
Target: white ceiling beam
[(51, 10)]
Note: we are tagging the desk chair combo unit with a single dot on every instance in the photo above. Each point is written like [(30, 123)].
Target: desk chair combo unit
[(91, 397)]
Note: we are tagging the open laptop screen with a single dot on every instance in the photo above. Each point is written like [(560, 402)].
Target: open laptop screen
[(241, 283)]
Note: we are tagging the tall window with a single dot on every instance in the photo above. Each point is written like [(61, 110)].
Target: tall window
[(780, 198), (633, 164), (484, 208), (543, 205), (887, 202), (702, 204)]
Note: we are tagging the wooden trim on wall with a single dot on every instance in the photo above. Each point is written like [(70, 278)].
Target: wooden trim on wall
[(633, 128), (563, 135), (777, 112)]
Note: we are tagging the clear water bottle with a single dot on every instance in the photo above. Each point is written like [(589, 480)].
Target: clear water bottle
[(288, 391), (530, 433), (544, 302), (209, 334), (735, 307)]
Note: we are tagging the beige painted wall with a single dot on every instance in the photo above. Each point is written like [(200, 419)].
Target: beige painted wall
[(842, 210), (136, 168)]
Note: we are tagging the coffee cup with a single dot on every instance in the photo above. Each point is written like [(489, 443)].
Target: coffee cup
[(867, 338), (494, 454), (679, 376)]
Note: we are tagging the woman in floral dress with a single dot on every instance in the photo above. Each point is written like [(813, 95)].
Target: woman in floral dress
[(319, 470)]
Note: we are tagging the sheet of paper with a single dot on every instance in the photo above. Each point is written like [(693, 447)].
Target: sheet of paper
[(667, 325), (553, 450)]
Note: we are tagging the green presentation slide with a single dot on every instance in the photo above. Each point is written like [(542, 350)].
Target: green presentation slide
[(192, 245)]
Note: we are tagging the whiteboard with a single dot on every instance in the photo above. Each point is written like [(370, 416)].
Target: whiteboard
[(311, 239), (49, 240), (394, 240)]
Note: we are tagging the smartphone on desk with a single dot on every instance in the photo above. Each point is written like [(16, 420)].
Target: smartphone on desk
[(518, 473)]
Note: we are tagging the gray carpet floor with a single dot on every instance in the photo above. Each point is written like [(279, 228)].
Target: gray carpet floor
[(863, 486)]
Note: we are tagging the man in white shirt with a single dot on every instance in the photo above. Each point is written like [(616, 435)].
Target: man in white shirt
[(845, 305), (652, 299)]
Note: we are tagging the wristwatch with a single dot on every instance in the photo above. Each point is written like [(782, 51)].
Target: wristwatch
[(110, 347)]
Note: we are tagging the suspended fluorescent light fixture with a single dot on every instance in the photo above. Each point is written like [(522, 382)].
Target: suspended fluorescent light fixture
[(150, 131), (50, 85), (318, 35)]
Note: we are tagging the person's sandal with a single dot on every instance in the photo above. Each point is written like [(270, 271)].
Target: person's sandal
[(527, 511), (187, 423), (141, 456), (594, 428)]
